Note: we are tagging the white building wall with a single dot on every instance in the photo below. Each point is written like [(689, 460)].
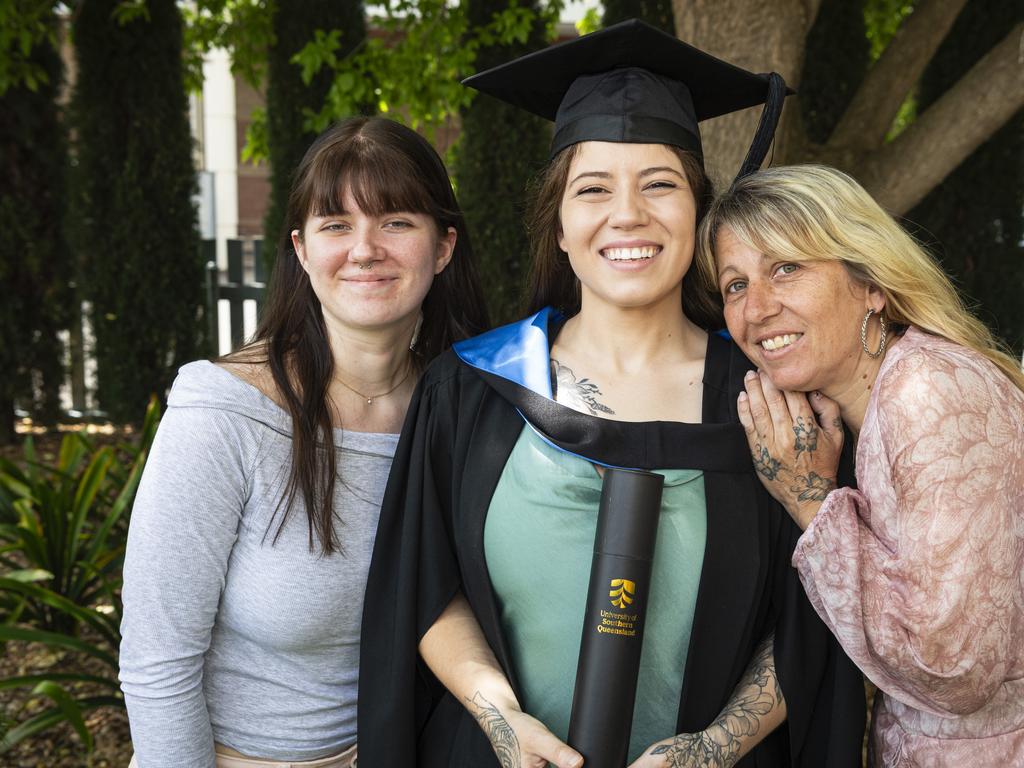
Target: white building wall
[(219, 147)]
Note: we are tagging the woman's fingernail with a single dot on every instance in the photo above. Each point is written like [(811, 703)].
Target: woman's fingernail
[(750, 375), (743, 397)]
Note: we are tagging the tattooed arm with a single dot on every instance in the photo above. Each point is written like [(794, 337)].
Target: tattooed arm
[(458, 654), (755, 709)]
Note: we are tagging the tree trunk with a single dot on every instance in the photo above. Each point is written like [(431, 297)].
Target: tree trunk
[(758, 36)]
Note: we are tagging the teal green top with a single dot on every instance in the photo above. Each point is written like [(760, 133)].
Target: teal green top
[(539, 544)]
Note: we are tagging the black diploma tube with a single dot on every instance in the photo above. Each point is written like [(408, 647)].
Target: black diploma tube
[(613, 625)]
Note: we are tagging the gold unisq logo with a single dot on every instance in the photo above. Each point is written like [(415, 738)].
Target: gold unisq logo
[(622, 591)]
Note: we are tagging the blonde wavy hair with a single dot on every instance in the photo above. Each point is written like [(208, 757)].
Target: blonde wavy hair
[(816, 213)]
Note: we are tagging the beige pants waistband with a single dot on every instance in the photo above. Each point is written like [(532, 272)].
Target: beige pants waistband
[(229, 758)]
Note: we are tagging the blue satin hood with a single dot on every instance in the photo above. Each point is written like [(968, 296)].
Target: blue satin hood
[(519, 352)]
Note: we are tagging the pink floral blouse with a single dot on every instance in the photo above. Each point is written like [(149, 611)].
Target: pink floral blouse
[(920, 572)]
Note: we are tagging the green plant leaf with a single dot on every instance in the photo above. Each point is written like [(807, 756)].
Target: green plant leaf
[(69, 708), (121, 503), (28, 575), (77, 612), (50, 718), (72, 449), (88, 487), (22, 681), (150, 422), (18, 486), (29, 452), (56, 640)]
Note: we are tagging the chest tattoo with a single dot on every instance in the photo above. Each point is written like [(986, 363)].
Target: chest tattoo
[(579, 394)]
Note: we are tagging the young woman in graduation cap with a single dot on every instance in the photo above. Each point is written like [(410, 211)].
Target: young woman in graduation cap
[(476, 593)]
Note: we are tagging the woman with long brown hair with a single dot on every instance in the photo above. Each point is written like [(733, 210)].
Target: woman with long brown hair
[(476, 595), (252, 530)]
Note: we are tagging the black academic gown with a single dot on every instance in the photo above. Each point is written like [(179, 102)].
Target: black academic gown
[(459, 432)]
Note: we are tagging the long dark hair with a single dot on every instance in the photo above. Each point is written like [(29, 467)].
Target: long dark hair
[(387, 168), (553, 283)]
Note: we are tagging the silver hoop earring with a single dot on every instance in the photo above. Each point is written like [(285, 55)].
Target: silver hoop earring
[(864, 335)]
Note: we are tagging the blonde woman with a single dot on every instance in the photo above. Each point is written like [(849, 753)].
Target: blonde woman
[(918, 571)]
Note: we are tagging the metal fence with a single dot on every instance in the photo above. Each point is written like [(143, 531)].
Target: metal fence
[(233, 299)]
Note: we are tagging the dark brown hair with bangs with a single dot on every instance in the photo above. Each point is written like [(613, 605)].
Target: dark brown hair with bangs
[(552, 281), (388, 168)]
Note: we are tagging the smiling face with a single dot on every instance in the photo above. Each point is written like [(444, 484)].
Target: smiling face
[(627, 223), (404, 252), (799, 321)]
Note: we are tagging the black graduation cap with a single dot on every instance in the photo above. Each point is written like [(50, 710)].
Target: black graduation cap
[(633, 83)]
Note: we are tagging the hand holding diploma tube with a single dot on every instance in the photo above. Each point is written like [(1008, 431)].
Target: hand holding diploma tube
[(613, 625)]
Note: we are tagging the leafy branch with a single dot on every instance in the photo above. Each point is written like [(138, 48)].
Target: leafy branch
[(416, 58)]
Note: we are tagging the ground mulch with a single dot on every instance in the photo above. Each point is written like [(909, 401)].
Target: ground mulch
[(60, 746)]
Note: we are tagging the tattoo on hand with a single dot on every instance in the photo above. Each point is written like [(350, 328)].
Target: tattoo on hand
[(580, 394), (813, 487), (720, 744), (806, 435), (764, 463), (499, 733)]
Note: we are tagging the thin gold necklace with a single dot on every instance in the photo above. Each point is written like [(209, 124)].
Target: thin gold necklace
[(370, 398)]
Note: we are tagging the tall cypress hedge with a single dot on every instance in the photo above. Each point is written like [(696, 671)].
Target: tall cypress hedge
[(500, 149), (34, 265), (836, 59), (295, 23), (657, 13), (974, 220), (136, 234)]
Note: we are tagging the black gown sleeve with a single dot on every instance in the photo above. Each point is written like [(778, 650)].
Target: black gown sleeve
[(824, 690), (413, 576)]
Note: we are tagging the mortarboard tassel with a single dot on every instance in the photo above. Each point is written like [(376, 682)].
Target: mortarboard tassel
[(766, 127)]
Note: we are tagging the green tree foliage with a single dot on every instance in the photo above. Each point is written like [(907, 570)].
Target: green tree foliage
[(974, 220), (657, 13), (242, 27), (26, 26), (499, 150), (34, 263), (291, 98), (135, 222), (411, 68)]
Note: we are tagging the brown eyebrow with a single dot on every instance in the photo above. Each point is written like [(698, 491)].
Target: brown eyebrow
[(764, 257), (661, 169), (730, 267), (592, 174), (643, 174)]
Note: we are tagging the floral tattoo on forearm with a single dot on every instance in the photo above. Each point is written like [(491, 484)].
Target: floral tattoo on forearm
[(720, 745), (496, 728)]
